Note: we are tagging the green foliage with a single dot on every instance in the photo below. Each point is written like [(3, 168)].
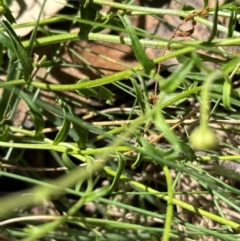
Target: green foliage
[(6, 11), (187, 7), (19, 50), (138, 50), (99, 92), (118, 158), (35, 112), (88, 11), (170, 84), (215, 21), (63, 132)]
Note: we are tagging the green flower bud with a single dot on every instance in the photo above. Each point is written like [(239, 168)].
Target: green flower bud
[(203, 138), (2, 10)]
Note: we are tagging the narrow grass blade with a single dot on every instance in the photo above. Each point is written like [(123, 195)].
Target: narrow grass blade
[(139, 96), (100, 92), (227, 89), (35, 111), (174, 80), (215, 23), (137, 47), (88, 11), (67, 162), (7, 12), (34, 32), (21, 53), (6, 41), (63, 132)]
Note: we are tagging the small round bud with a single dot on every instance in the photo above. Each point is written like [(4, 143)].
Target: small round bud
[(2, 9), (121, 12), (203, 138)]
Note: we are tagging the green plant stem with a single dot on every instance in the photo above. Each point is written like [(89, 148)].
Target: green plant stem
[(51, 20), (48, 227), (135, 184), (136, 10), (59, 38), (146, 10), (141, 119), (83, 221), (97, 82), (177, 202), (143, 10), (124, 127), (169, 214), (121, 165), (70, 149), (205, 96), (64, 147)]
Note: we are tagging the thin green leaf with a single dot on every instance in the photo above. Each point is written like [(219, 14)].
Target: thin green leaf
[(4, 133), (34, 32), (94, 195), (230, 65), (215, 23), (232, 24), (35, 111), (99, 92), (15, 160), (9, 97), (186, 7), (104, 20), (232, 6), (121, 166), (182, 58), (79, 185), (21, 53), (79, 131), (196, 76), (13, 71), (88, 11), (205, 3), (6, 41), (1, 54), (7, 12), (227, 89), (63, 132), (139, 95), (174, 80), (165, 129), (137, 47), (82, 133), (67, 162), (149, 147)]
